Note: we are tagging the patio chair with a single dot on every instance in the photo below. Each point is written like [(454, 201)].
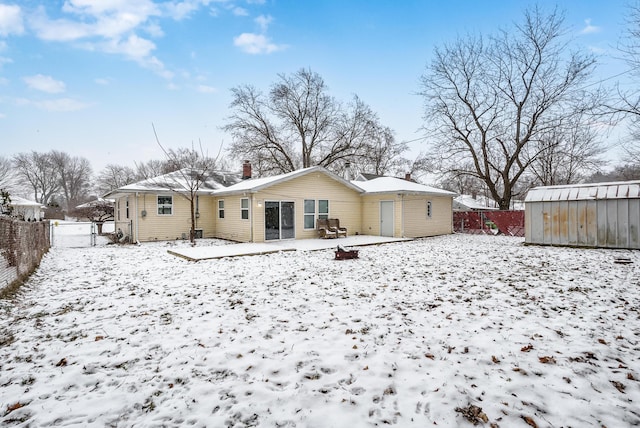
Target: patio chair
[(334, 224), (324, 231)]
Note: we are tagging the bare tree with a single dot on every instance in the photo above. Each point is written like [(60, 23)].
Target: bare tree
[(113, 177), (566, 154), (487, 103), (41, 174), (7, 176), (297, 125), (153, 168), (74, 174), (192, 169), (384, 155), (627, 103), (98, 211)]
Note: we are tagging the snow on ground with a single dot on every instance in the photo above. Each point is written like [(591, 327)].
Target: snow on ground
[(412, 334)]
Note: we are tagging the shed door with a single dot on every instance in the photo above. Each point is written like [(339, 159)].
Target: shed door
[(386, 218)]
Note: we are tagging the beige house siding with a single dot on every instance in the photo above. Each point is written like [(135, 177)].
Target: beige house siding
[(416, 222), (232, 226), (156, 227), (410, 215), (371, 214), (344, 204)]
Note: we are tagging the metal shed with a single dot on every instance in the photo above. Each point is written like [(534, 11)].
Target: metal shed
[(584, 215)]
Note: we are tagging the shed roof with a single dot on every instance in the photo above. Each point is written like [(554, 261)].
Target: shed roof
[(590, 191)]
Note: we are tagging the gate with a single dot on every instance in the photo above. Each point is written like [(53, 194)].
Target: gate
[(67, 234)]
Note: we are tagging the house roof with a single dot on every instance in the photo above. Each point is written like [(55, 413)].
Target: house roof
[(18, 201), (576, 192), (468, 202), (177, 181), (398, 185), (257, 184), (96, 202)]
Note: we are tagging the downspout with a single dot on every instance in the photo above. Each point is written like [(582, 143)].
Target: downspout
[(402, 219), (251, 217), (137, 219)]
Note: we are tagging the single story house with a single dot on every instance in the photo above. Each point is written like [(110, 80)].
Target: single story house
[(26, 210), (467, 203), (285, 206), (584, 215)]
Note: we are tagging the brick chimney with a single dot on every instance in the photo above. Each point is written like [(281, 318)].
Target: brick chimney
[(246, 170), (407, 176)]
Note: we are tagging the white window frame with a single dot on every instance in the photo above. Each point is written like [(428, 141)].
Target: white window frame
[(221, 208), (429, 210), (127, 208), (164, 205), (244, 210), (316, 212), (323, 215)]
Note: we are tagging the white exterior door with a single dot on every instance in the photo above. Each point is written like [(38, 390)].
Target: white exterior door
[(386, 218)]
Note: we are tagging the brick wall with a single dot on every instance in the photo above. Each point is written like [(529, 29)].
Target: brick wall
[(22, 245)]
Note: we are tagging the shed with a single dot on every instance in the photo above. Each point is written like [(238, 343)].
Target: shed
[(603, 215)]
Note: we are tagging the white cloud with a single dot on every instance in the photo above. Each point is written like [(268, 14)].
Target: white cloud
[(263, 22), (590, 29), (256, 44), (3, 45), (134, 47), (44, 83), (4, 81), (206, 89), (3, 116), (10, 20), (4, 60), (240, 11), (179, 10), (56, 105), (102, 81)]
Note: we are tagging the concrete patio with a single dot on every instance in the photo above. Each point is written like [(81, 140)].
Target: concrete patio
[(251, 249)]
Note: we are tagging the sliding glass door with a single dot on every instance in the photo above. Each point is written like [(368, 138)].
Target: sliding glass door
[(279, 220)]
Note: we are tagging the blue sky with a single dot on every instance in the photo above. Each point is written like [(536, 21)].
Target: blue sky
[(89, 77)]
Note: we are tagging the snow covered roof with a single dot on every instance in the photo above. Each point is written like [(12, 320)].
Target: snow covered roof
[(18, 201), (398, 185), (256, 184), (575, 192), (96, 202), (178, 181), (469, 203)]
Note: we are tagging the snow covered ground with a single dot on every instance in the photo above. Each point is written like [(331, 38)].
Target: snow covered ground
[(433, 332)]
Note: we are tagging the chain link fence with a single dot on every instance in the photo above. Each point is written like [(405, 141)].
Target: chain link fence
[(22, 245)]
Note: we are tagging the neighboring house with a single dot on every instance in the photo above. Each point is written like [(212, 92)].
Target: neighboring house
[(286, 206), (27, 210), (584, 215), (466, 203)]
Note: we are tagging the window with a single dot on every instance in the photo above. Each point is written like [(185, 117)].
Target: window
[(428, 209), (221, 209), (165, 205), (118, 210), (323, 208), (127, 208), (309, 214), (244, 208)]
